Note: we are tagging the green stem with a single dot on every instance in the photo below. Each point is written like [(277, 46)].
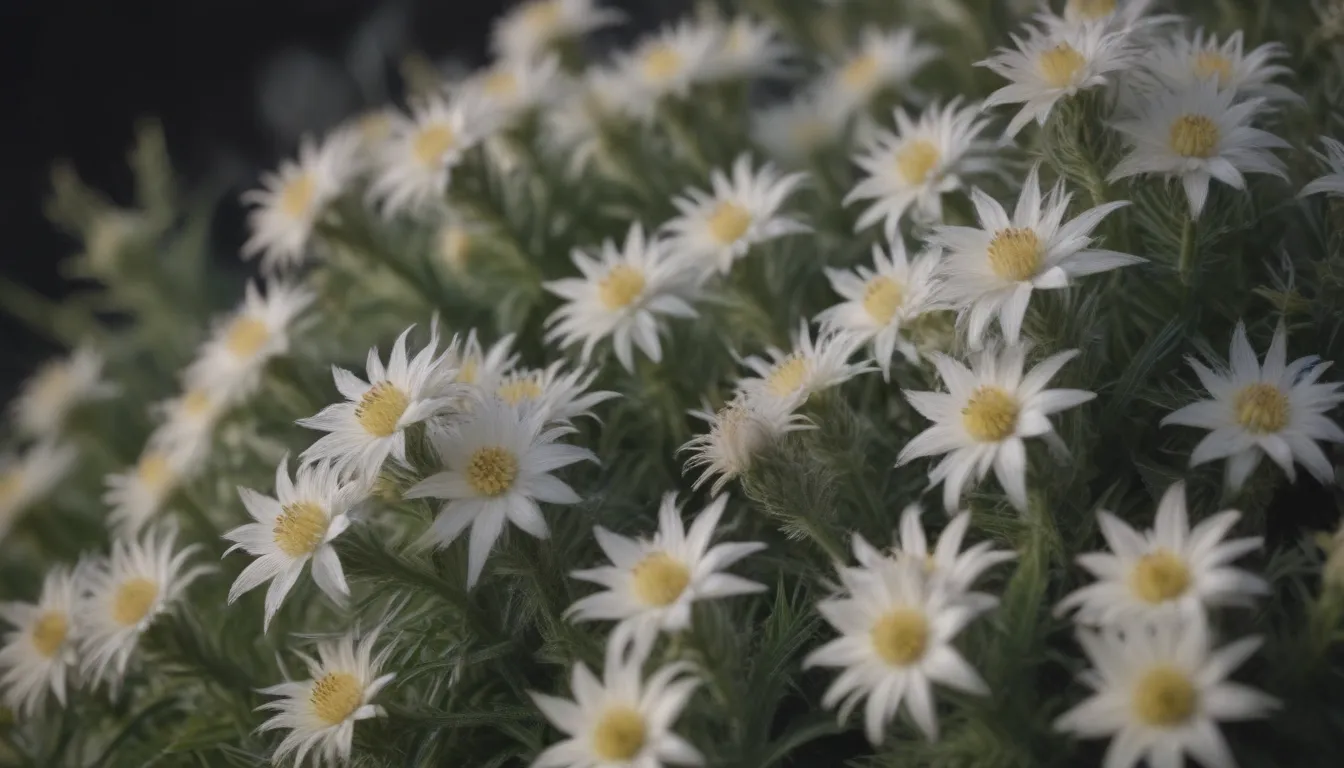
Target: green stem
[(1186, 263)]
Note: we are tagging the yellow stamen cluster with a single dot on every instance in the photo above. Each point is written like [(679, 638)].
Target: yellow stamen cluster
[(621, 286), (882, 298), (336, 696), (1261, 408), (432, 143), (296, 196), (245, 337), (659, 579), (1194, 136), (990, 414), (381, 408), (1159, 576), (1059, 66), (1165, 698), (492, 470), (728, 222), (49, 632), (133, 601), (300, 528), (1015, 253), (619, 735), (916, 160), (901, 636), (788, 376)]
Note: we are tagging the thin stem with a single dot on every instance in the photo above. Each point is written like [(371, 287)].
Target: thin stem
[(1186, 263)]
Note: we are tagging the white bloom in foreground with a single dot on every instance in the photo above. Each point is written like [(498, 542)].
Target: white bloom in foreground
[(1187, 62), (1055, 62), (794, 130), (320, 713), (28, 477), (1168, 570), (621, 294), (791, 377), (884, 60), (918, 164), (991, 270), (1333, 182), (416, 161), (38, 657), (622, 720), (294, 198), (880, 301), (529, 29), (45, 400), (230, 363), (737, 434), (497, 466), (371, 424), (510, 88), (896, 630), (665, 64), (123, 595), (748, 48), (1276, 409), (742, 208), (138, 494), (560, 395), (652, 583), (294, 527), (1197, 134), (478, 367), (1160, 693), (984, 417)]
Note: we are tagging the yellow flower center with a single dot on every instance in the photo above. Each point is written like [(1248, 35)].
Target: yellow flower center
[(1194, 136), (11, 482), (1261, 408), (500, 84), (300, 528), (916, 160), (728, 222), (245, 337), (1159, 576), (374, 127), (381, 408), (1091, 10), (661, 63), (788, 376), (133, 600), (1165, 698), (901, 636), (1060, 65), (431, 143), (154, 472), (454, 247), (51, 387), (491, 471), (469, 371), (1209, 64), (1015, 253), (542, 16), (196, 403), (990, 414), (882, 298), (49, 632), (621, 287), (860, 72), (336, 696), (520, 389), (659, 579), (296, 196), (619, 735)]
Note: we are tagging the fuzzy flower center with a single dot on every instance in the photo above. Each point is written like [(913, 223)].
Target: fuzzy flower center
[(728, 222), (381, 408), (1209, 64), (659, 579), (1165, 698), (621, 287), (619, 735), (300, 528), (1194, 136), (374, 127), (916, 161), (134, 598), (49, 632), (1059, 66), (661, 63), (296, 196), (1015, 253), (431, 143), (1090, 10), (454, 245), (1159, 576), (990, 415), (860, 72), (492, 470), (500, 84), (901, 636), (1261, 408), (52, 387), (882, 298), (154, 472), (336, 696), (245, 337), (469, 371), (788, 376), (520, 389), (196, 403)]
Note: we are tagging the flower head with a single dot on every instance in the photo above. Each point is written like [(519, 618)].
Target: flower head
[(1333, 182), (230, 363), (38, 656), (883, 60), (416, 162), (47, 398), (738, 432), (27, 478), (530, 29), (810, 367)]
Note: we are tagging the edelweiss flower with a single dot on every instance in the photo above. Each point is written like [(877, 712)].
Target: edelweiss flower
[(59, 386), (1161, 693), (416, 162), (136, 495), (295, 197), (621, 294), (794, 130), (918, 164), (791, 377), (512, 87), (992, 270), (748, 48), (718, 227), (1185, 63), (28, 477), (879, 301), (529, 29), (188, 425), (896, 630), (1276, 409), (652, 583), (664, 65), (497, 466), (295, 526), (737, 433), (320, 713), (1197, 134), (229, 365), (123, 594), (884, 60), (1052, 63), (981, 421), (560, 395), (1333, 182), (39, 655), (371, 424)]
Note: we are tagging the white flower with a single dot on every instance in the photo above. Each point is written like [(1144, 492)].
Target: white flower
[(918, 164), (188, 425), (137, 494), (664, 65), (896, 630), (320, 713), (477, 367), (1276, 409), (46, 399), (791, 377), (718, 227), (416, 161), (1197, 134), (983, 418), (529, 29), (621, 294), (497, 467), (792, 131), (295, 197), (737, 433), (991, 271), (1052, 63), (880, 301), (292, 528), (27, 478), (38, 657), (1185, 63), (1333, 182), (1160, 693), (230, 363), (371, 424), (560, 395), (884, 60), (622, 720), (574, 127), (748, 48), (123, 594), (511, 87), (652, 583)]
